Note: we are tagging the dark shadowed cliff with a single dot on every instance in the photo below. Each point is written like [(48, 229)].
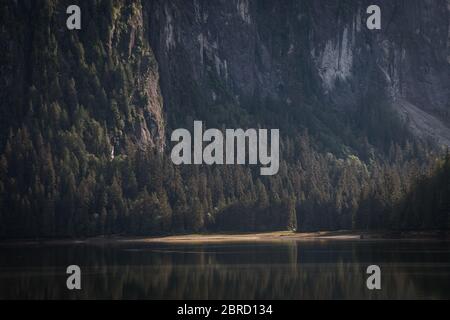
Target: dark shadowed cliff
[(310, 64)]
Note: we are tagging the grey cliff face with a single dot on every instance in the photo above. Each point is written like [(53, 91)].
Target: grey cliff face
[(300, 53), (229, 57)]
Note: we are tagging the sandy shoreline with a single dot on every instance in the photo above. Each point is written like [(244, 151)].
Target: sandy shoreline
[(252, 237), (235, 238)]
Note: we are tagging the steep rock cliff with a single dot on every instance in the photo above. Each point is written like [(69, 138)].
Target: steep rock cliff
[(311, 57), (107, 69)]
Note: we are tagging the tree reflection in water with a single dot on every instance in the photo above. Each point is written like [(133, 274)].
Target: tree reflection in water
[(280, 270)]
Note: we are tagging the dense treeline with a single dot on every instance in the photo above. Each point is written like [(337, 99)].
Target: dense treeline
[(45, 193), (423, 203), (79, 150)]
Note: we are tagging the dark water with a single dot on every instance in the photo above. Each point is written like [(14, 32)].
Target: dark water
[(288, 270)]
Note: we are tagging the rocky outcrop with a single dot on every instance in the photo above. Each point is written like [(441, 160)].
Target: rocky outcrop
[(224, 52), (129, 32), (106, 71)]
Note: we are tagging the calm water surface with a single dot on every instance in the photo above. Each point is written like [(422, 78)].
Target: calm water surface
[(279, 270)]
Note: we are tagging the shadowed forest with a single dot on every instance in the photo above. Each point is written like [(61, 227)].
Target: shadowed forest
[(83, 131)]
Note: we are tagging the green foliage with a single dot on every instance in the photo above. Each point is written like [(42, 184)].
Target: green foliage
[(71, 164)]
